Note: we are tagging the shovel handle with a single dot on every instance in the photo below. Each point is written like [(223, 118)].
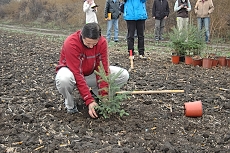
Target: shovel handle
[(150, 92), (131, 62), (131, 58)]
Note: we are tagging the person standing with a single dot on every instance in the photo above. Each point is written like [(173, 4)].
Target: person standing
[(90, 8), (160, 12), (112, 6), (80, 55), (135, 15), (203, 9), (182, 7)]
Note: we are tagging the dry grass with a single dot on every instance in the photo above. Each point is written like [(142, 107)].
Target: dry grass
[(69, 14)]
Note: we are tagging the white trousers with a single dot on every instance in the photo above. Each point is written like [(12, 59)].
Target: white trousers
[(65, 83), (182, 23)]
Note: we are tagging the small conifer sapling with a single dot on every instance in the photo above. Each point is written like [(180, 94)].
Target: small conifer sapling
[(110, 103)]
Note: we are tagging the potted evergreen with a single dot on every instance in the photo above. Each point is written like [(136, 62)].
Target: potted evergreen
[(187, 42), (178, 42), (194, 44)]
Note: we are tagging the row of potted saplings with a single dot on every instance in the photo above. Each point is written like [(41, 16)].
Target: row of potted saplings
[(208, 62), (189, 43)]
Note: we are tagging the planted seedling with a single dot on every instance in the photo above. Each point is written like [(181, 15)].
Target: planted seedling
[(110, 103)]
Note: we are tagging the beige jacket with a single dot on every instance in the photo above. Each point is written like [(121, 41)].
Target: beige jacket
[(203, 10)]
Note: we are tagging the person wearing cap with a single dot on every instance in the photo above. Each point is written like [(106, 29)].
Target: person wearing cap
[(182, 7), (90, 8), (81, 54), (203, 9)]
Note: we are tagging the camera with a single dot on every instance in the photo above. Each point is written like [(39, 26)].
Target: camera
[(185, 4)]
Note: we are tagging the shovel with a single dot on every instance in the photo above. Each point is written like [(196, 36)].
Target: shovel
[(131, 60)]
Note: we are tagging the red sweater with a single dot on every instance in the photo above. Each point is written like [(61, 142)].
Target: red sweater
[(82, 61)]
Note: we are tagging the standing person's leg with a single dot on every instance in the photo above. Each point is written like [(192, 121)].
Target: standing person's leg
[(140, 27), (206, 26), (120, 80), (131, 26), (185, 23), (199, 23), (179, 23), (157, 29), (116, 30), (65, 83), (109, 26), (162, 26), (135, 33)]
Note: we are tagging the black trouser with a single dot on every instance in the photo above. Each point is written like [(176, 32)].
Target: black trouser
[(140, 26)]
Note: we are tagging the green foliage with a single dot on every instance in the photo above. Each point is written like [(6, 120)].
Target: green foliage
[(196, 40), (177, 40), (187, 41), (110, 104)]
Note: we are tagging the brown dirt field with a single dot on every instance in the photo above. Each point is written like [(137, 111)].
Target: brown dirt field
[(33, 117)]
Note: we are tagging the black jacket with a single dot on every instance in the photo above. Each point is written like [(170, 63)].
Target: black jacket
[(113, 8), (160, 9)]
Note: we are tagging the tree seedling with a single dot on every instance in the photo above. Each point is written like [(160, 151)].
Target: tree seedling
[(110, 103)]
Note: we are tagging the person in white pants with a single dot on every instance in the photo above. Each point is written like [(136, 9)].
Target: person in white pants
[(81, 54), (182, 7), (65, 83)]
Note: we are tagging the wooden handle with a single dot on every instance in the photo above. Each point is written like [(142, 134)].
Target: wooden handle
[(224, 89), (150, 92), (131, 58), (131, 62)]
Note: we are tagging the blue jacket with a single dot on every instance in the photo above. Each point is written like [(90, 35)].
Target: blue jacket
[(135, 10)]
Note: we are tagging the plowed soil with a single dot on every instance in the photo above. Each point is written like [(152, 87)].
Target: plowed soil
[(33, 117)]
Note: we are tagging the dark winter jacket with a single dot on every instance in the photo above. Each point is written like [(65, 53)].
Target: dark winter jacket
[(160, 9), (113, 8)]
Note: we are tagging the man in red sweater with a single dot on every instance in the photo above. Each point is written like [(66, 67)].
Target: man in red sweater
[(81, 54)]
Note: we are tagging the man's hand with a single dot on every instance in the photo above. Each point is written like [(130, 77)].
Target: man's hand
[(183, 6), (92, 111)]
